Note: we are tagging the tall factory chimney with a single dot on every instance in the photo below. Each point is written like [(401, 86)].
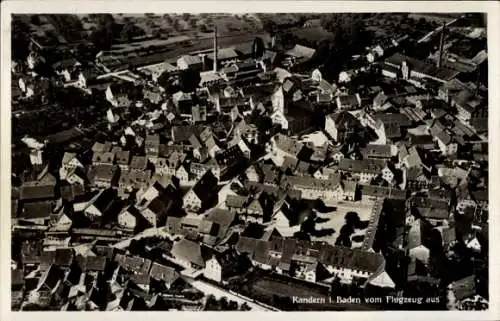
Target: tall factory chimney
[(441, 45), (215, 49)]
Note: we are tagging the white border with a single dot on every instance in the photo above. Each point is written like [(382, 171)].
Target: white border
[(48, 6)]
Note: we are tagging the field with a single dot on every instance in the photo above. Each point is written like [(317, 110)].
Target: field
[(189, 24), (336, 219)]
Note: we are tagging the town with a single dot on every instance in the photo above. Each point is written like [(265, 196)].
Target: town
[(249, 162)]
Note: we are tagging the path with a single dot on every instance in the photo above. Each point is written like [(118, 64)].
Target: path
[(208, 288)]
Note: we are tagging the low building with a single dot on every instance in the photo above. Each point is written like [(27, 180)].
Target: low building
[(201, 193)]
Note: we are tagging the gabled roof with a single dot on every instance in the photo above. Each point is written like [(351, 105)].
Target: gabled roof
[(190, 60), (224, 54), (362, 166), (376, 150), (36, 210), (190, 251), (163, 273), (236, 201), (40, 189), (464, 288), (287, 144), (50, 278), (300, 51), (205, 185), (344, 120)]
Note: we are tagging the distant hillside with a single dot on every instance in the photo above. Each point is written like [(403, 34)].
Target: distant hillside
[(53, 29)]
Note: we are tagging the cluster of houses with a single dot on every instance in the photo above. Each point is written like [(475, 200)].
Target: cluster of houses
[(219, 173)]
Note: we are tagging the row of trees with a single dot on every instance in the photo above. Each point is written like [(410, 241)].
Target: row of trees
[(223, 304)]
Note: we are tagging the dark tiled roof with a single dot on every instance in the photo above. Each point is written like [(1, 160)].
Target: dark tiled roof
[(422, 67), (163, 273), (36, 210), (190, 251), (362, 166), (464, 288)]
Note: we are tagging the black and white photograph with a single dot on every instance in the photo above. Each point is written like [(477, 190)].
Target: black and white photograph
[(249, 161)]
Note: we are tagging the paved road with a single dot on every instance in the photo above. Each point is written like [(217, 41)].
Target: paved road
[(219, 293)]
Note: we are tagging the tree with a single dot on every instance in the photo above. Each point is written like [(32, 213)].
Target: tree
[(233, 305), (270, 27), (224, 304), (20, 39), (245, 307), (211, 303), (176, 24), (193, 22), (130, 30), (103, 36), (35, 19)]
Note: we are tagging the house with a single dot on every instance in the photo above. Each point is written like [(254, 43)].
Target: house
[(252, 173), (341, 126), (139, 163), (37, 213), (348, 102), (224, 55), (467, 103), (103, 158), (157, 210), (117, 94), (133, 180), (182, 174), (123, 159), (312, 188), (281, 146), (130, 218), (152, 146), (182, 102), (48, 284), (42, 189), (189, 62), (100, 204), (415, 70), (101, 147), (374, 192), (375, 53), (376, 151), (134, 264), (190, 254), (201, 193), (446, 143), (69, 163), (224, 265), (465, 292), (104, 175), (72, 192), (223, 218), (166, 274), (364, 169), (421, 141), (297, 55), (237, 203), (154, 96), (435, 212)]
